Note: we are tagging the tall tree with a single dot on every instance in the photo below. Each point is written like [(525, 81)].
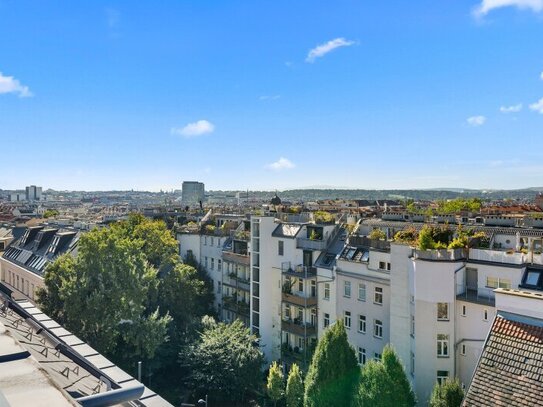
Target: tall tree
[(275, 386), (384, 383), (447, 394), (224, 362), (333, 372), (295, 387)]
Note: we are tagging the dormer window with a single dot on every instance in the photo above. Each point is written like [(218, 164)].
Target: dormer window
[(53, 248), (533, 278)]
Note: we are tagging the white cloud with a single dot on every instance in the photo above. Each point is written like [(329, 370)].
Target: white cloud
[(476, 121), (195, 129), (511, 109), (8, 84), (269, 97), (541, 76), (323, 49), (281, 164), (113, 17), (537, 106), (488, 5)]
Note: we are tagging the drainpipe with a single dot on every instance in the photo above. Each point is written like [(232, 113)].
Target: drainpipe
[(455, 285)]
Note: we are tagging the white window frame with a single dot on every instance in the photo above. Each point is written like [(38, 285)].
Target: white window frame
[(446, 317), (361, 356), (378, 328), (326, 320), (378, 295), (361, 289), (442, 345), (327, 291), (362, 324), (441, 378), (347, 319), (347, 289)]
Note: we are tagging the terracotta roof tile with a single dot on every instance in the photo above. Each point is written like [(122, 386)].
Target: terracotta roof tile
[(510, 370)]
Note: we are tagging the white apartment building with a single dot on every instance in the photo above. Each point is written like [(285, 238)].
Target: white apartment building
[(435, 307)]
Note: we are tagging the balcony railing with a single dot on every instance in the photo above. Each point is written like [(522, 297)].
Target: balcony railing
[(319, 244), (298, 328), (498, 256), (441, 254), (236, 258), (477, 295), (240, 307), (299, 300), (299, 271)]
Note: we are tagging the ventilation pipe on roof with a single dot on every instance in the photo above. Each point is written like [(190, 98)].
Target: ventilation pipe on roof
[(113, 397)]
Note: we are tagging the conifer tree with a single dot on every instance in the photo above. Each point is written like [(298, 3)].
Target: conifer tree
[(295, 387)]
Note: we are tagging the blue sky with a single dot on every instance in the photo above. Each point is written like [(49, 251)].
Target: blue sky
[(271, 95)]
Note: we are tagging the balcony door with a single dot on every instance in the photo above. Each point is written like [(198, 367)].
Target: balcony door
[(308, 258), (471, 279)]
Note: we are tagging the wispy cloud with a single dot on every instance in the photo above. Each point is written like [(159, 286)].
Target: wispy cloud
[(8, 84), (511, 109), (113, 17), (537, 106), (476, 121), (195, 129), (269, 97), (281, 164), (541, 76), (323, 49), (487, 6)]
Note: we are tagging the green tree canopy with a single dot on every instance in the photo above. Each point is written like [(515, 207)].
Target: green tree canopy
[(224, 362), (447, 394), (384, 383), (333, 372), (276, 385), (295, 387)]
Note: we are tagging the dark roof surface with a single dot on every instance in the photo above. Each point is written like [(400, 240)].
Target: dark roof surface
[(510, 370)]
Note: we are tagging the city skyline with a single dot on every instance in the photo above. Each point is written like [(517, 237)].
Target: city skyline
[(254, 96)]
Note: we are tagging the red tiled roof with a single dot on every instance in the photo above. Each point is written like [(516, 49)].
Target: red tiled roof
[(510, 371)]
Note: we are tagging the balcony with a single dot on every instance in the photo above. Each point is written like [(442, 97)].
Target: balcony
[(233, 280), (441, 254), (299, 300), (232, 257), (484, 296), (499, 256), (239, 307), (310, 244), (296, 327), (299, 271)]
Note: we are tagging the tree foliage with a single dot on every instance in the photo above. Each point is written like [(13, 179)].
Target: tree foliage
[(295, 387), (127, 294), (275, 386), (384, 383), (224, 362), (334, 371), (447, 394)]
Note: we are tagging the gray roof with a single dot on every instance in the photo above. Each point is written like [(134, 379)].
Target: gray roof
[(510, 369), (286, 230), (40, 350)]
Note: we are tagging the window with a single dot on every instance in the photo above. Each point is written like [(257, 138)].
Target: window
[(212, 263), (413, 326), (361, 292), (280, 247), (361, 356), (301, 285), (377, 356), (378, 296), (326, 291), (205, 240), (442, 311), (326, 320), (532, 278), (211, 244), (362, 324), (494, 282), (219, 265), (205, 262), (347, 319), (412, 364), (463, 349), (347, 289), (383, 265), (485, 315), (442, 345), (442, 375), (464, 309), (377, 328), (218, 286)]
